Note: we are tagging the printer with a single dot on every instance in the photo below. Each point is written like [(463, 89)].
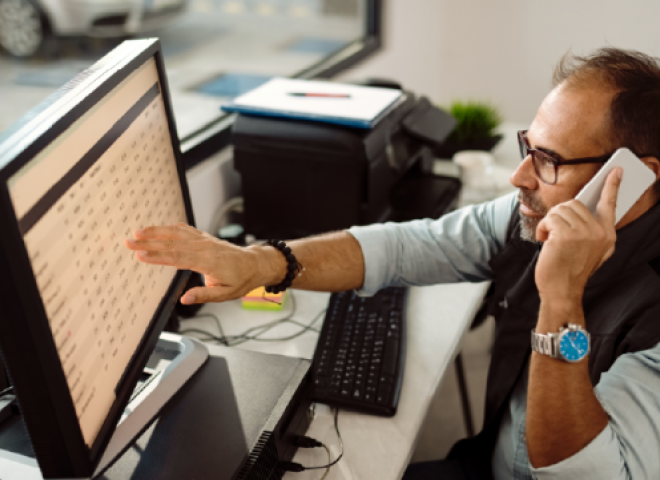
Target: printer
[(301, 178)]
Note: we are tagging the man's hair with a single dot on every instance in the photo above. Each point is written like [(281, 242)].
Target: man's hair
[(634, 78)]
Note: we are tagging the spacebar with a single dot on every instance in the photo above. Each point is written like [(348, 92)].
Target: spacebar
[(391, 354)]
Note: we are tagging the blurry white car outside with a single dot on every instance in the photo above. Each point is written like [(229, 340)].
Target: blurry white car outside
[(25, 25)]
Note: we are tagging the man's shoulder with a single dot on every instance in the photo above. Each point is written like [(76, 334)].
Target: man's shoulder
[(498, 216)]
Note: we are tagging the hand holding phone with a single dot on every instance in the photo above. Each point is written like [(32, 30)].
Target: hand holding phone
[(637, 178)]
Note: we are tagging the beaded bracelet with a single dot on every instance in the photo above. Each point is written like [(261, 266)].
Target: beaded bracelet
[(294, 268)]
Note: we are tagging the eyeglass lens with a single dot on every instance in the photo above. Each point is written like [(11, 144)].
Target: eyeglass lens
[(544, 165)]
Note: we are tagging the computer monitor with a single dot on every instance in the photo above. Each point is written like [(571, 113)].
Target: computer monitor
[(79, 315)]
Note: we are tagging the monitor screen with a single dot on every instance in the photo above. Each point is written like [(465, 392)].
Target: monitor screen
[(107, 167)]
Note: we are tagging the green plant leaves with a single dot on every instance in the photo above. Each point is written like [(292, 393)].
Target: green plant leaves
[(476, 121)]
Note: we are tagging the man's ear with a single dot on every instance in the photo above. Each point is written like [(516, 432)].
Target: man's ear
[(654, 164)]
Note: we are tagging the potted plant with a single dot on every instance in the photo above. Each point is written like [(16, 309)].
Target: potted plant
[(474, 130)]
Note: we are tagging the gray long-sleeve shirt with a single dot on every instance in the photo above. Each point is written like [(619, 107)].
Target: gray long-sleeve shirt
[(458, 247)]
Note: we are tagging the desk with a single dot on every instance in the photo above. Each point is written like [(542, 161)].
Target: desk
[(374, 447)]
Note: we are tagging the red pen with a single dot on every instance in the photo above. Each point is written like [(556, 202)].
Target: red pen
[(319, 95)]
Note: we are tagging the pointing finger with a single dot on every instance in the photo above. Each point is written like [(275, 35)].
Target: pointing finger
[(176, 232), (206, 295), (180, 259), (167, 245), (606, 207), (190, 228)]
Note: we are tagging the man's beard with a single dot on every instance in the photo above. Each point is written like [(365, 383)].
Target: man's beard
[(528, 224)]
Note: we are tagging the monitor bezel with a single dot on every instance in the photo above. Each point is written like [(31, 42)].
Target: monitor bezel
[(40, 385)]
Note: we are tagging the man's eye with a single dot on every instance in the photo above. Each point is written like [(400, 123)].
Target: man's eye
[(546, 162)]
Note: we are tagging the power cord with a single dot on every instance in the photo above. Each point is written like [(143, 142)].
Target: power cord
[(296, 467), (327, 470), (254, 333)]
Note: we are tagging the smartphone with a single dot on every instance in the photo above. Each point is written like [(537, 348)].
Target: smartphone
[(637, 178)]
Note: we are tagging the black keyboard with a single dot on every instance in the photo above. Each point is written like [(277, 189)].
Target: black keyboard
[(360, 355)]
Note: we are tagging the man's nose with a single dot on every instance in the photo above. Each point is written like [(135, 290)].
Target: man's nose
[(525, 176)]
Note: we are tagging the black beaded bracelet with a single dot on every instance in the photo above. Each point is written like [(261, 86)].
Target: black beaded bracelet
[(294, 268)]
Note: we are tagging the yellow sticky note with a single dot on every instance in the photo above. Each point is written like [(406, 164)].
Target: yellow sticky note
[(259, 299)]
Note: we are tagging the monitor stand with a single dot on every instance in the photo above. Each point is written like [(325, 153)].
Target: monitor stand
[(174, 360)]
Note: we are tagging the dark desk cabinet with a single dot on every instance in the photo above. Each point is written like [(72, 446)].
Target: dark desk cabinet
[(238, 404)]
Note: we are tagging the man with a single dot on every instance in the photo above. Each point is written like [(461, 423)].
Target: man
[(553, 264)]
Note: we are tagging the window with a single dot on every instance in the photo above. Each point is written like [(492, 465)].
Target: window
[(214, 50)]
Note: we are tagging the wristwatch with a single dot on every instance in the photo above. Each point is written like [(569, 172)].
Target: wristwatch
[(572, 343)]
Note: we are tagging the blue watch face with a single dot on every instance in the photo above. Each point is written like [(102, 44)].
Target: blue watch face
[(574, 346)]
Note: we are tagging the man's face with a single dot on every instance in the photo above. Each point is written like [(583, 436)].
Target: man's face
[(570, 123)]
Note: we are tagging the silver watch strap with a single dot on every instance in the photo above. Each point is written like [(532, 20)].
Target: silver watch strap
[(544, 344)]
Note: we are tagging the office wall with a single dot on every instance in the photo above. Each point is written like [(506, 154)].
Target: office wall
[(501, 50)]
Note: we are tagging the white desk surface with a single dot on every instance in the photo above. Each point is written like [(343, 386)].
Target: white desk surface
[(374, 447)]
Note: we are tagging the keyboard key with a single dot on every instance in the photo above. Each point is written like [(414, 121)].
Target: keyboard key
[(386, 379), (391, 355), (385, 389)]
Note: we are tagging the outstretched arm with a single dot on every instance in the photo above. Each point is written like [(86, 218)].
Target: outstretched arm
[(333, 262), (456, 247)]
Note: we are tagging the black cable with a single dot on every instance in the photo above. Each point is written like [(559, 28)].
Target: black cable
[(304, 441), (296, 467), (341, 444)]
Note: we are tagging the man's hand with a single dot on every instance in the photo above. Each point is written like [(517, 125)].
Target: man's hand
[(576, 243), (230, 271), (333, 261)]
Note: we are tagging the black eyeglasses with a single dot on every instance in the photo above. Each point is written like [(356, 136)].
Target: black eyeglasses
[(546, 165)]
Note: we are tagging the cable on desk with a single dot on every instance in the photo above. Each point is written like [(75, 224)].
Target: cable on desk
[(217, 322), (243, 337), (327, 470), (296, 467), (255, 333), (295, 335)]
